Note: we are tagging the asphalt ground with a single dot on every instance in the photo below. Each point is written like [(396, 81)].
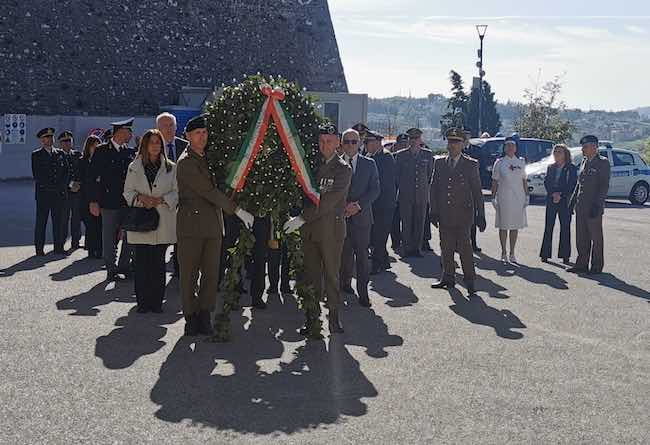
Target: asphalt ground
[(541, 356)]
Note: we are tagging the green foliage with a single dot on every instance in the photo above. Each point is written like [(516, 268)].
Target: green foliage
[(456, 105), (271, 187), (490, 118), (543, 114)]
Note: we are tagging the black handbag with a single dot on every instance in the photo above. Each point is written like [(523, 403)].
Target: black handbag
[(139, 219)]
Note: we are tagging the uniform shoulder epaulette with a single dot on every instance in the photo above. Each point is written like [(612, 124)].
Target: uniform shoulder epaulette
[(342, 163), (426, 150), (469, 158), (398, 152)]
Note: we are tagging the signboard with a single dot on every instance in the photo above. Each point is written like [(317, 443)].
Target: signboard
[(15, 130)]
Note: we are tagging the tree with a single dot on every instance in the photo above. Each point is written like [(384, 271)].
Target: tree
[(646, 154), (543, 114), (456, 104), (490, 118)]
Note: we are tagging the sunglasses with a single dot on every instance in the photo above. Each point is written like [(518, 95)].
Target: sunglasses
[(350, 142)]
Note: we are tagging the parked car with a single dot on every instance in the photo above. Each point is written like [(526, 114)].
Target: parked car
[(487, 150), (630, 177)]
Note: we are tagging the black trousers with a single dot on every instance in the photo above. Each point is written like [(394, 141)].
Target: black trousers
[(396, 230), (232, 226), (560, 211), (150, 279), (71, 223), (474, 244), (278, 268), (384, 219), (48, 204), (262, 233), (93, 240), (427, 227)]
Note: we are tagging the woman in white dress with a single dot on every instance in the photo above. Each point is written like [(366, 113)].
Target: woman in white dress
[(509, 197)]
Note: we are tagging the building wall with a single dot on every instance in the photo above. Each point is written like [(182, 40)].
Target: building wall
[(131, 57)]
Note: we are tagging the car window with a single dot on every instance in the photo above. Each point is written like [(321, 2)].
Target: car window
[(622, 159)]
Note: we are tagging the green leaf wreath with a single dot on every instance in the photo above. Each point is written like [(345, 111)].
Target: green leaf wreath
[(271, 187)]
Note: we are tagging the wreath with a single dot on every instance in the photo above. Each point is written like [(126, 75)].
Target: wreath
[(263, 152)]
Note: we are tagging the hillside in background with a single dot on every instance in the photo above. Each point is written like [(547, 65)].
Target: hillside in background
[(396, 114)]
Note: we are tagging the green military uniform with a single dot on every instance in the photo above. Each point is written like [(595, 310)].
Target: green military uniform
[(199, 231), (456, 198), (589, 203), (414, 170), (324, 230)]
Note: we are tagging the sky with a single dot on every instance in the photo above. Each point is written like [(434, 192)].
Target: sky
[(600, 49)]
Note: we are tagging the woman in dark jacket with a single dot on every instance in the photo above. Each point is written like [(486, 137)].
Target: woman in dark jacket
[(560, 181), (93, 224)]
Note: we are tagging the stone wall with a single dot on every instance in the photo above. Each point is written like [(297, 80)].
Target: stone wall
[(130, 57)]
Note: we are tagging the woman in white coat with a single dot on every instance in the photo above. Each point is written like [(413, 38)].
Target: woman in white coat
[(151, 183), (509, 197)]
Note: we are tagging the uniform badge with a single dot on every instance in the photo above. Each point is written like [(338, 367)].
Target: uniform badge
[(326, 184)]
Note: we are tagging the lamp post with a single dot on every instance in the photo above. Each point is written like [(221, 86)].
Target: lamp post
[(482, 29)]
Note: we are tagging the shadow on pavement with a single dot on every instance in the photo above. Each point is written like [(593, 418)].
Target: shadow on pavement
[(426, 267), (397, 294), (101, 294), (78, 268), (610, 281), (252, 385), (535, 275), (31, 263), (476, 311)]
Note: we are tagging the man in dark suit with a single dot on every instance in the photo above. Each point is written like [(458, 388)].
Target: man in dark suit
[(364, 190), (383, 208), (72, 205), (401, 142), (174, 147), (107, 175), (588, 201), (456, 198), (51, 177)]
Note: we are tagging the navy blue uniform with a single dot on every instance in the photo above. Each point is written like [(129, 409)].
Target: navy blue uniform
[(72, 205)]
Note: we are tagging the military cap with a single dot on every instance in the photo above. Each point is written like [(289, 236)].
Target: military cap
[(589, 139), (327, 128), (196, 123), (374, 136), (413, 133), (127, 123), (65, 136), (455, 134), (510, 140), (402, 137), (361, 128), (45, 132)]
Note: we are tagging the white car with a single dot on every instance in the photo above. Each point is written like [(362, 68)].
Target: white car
[(630, 177)]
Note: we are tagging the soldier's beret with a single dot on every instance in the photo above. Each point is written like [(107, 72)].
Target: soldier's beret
[(45, 132), (589, 139), (414, 133), (65, 136), (196, 123), (327, 128), (402, 137), (455, 134), (374, 136), (127, 123)]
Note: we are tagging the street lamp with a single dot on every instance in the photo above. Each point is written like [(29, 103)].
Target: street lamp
[(482, 29)]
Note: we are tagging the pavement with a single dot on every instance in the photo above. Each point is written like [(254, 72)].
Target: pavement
[(541, 356)]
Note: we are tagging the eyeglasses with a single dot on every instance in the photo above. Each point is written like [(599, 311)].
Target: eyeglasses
[(350, 142)]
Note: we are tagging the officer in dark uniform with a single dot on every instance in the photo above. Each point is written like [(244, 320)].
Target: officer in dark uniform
[(588, 201), (469, 152), (414, 170), (383, 208), (108, 173), (401, 142), (456, 197), (72, 205), (51, 176)]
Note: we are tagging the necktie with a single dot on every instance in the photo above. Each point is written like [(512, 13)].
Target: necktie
[(170, 152)]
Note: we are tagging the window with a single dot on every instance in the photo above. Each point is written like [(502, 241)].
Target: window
[(331, 112), (622, 159)]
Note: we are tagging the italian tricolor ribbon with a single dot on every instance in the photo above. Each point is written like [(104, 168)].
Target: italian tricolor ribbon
[(272, 109)]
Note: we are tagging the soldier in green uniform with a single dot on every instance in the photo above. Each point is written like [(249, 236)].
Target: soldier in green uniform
[(414, 169), (456, 198), (199, 230), (323, 227), (588, 201)]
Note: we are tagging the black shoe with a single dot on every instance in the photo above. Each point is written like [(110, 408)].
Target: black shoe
[(566, 261), (334, 322), (575, 269), (191, 325), (364, 301), (348, 290), (258, 303), (443, 285), (471, 290), (142, 310), (204, 323), (286, 290), (477, 249), (40, 253), (544, 260), (74, 246), (111, 276), (427, 248)]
